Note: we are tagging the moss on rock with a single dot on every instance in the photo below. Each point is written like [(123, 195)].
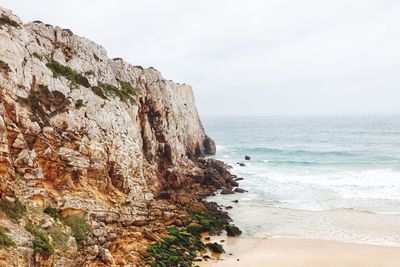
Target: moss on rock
[(232, 230), (215, 247), (178, 248)]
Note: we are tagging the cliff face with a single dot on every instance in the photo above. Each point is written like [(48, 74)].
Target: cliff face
[(92, 137)]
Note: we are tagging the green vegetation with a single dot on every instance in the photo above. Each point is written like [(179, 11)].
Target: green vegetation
[(30, 143), (212, 221), (127, 88), (58, 236), (195, 228), (14, 210), (52, 212), (40, 242), (79, 228), (106, 91), (215, 247), (5, 241), (178, 248), (65, 71), (181, 246), (232, 230), (36, 55), (34, 102)]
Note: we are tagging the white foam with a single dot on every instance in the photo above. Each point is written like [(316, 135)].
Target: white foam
[(220, 148)]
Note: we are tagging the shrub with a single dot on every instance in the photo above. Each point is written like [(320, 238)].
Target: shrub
[(79, 228), (112, 91), (65, 71), (58, 236), (128, 88), (36, 55), (14, 210), (52, 212), (106, 90), (5, 241), (40, 242)]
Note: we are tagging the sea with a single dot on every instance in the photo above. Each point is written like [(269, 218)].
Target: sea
[(330, 178)]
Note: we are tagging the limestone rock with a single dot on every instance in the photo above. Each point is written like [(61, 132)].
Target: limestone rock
[(96, 138)]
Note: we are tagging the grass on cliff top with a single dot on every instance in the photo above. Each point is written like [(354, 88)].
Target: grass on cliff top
[(67, 72), (5, 241), (80, 229), (14, 210), (178, 248), (41, 243)]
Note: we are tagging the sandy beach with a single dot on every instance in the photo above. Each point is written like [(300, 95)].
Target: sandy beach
[(288, 252)]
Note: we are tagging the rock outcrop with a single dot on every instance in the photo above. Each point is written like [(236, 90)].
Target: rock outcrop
[(94, 138)]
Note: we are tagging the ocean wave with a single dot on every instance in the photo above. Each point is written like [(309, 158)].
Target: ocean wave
[(299, 151), (290, 162), (328, 162)]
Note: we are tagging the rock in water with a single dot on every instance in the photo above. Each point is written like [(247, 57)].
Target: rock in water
[(232, 230), (247, 158), (239, 190)]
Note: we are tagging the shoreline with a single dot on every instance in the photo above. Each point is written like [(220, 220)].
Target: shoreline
[(292, 252)]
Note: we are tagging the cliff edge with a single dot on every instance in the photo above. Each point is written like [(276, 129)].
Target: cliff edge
[(97, 156)]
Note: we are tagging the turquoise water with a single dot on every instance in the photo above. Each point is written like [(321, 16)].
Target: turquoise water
[(327, 178)]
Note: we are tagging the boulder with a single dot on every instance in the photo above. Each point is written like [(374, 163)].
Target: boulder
[(239, 190), (195, 228), (234, 183), (227, 191), (232, 230), (215, 247)]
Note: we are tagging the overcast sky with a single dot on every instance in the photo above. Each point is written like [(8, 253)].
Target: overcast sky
[(263, 57)]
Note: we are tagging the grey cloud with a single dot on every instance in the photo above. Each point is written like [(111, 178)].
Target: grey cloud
[(250, 57)]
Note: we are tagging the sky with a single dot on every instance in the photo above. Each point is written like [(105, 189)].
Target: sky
[(254, 57)]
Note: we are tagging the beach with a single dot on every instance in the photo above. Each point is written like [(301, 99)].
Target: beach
[(299, 252)]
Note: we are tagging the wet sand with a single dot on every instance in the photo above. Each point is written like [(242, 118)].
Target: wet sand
[(293, 252)]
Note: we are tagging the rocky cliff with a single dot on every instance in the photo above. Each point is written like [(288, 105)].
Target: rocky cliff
[(91, 143)]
